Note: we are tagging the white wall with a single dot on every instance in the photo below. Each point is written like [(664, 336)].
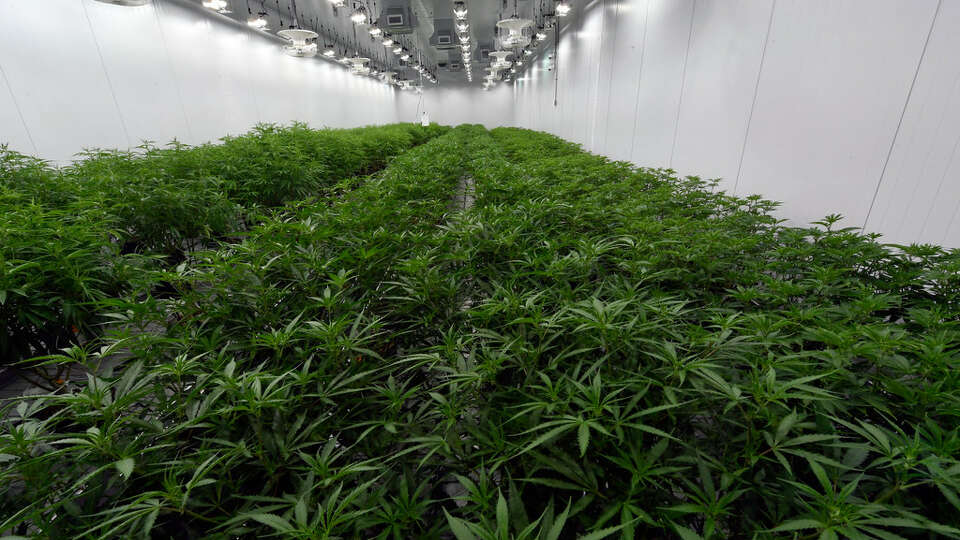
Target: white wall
[(76, 74), (461, 104), (817, 103)]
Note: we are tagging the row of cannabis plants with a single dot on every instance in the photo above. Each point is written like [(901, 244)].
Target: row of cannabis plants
[(238, 378), (73, 236), (591, 350)]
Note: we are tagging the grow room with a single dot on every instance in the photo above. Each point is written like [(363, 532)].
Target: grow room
[(480, 269)]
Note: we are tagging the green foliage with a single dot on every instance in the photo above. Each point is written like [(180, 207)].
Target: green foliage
[(73, 236), (593, 350)]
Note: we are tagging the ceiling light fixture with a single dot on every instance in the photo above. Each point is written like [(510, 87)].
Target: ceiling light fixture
[(298, 45), (500, 61), (359, 65), (460, 10), (387, 42), (220, 6), (359, 15), (375, 30), (259, 22), (515, 27), (562, 8)]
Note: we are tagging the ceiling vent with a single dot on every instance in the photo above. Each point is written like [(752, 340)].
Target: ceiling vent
[(514, 32), (396, 17), (444, 36)]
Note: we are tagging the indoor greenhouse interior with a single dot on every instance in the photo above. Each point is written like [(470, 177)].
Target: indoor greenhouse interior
[(480, 269)]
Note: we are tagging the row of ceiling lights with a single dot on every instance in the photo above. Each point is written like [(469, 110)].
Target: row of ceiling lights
[(517, 39), (302, 43), (463, 34)]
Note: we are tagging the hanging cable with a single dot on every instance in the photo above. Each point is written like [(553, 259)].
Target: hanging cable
[(556, 63)]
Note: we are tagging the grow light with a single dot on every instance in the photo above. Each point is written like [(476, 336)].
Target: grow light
[(359, 15), (259, 22), (220, 6), (501, 59), (298, 45), (515, 27)]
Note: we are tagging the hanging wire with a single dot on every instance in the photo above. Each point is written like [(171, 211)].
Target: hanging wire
[(556, 63), (296, 20)]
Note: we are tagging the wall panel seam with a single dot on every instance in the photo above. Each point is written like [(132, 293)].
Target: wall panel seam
[(683, 83), (903, 112), (173, 71), (16, 105), (926, 161), (946, 170), (613, 62), (596, 103), (106, 74), (756, 92), (636, 101), (936, 196)]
